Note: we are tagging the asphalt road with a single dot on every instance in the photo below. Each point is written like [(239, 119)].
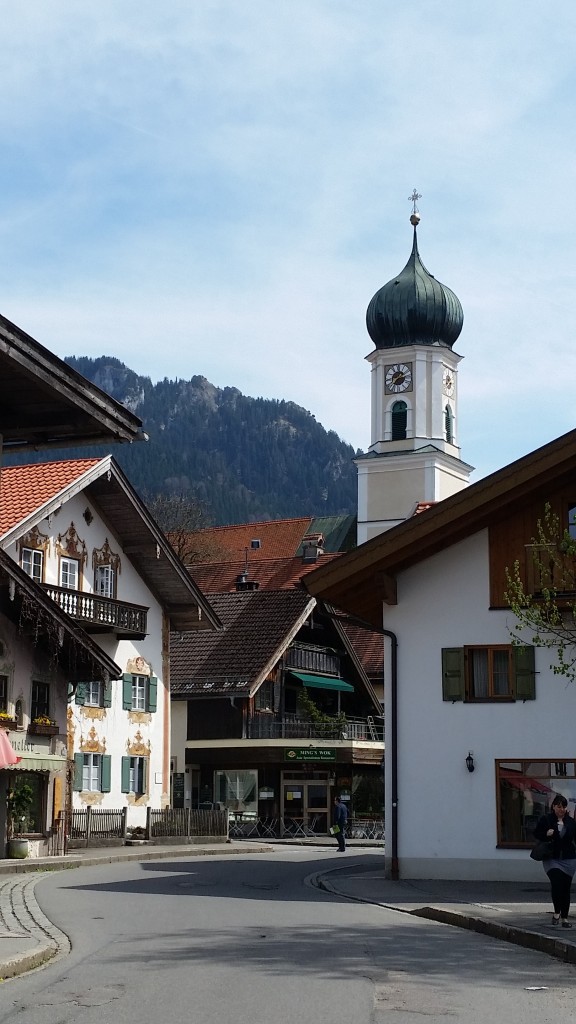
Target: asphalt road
[(247, 940)]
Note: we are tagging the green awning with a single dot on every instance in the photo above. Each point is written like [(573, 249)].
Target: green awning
[(322, 682), (35, 763)]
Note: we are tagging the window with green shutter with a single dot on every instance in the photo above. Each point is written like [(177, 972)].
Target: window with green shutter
[(483, 673), (139, 693)]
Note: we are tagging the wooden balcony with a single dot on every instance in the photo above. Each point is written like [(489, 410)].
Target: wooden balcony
[(99, 614), (549, 568), (309, 658), (262, 727)]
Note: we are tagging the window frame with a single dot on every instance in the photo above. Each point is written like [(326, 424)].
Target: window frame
[(105, 581), (455, 674), (39, 706), (150, 692), (560, 785), (35, 557), (491, 696), (4, 682), (135, 770), (399, 420), (65, 563)]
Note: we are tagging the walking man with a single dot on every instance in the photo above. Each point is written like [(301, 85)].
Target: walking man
[(340, 819)]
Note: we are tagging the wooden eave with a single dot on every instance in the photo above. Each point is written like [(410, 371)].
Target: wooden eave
[(44, 403), (359, 581), (149, 551)]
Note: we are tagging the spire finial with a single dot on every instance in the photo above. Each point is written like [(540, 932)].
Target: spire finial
[(414, 216)]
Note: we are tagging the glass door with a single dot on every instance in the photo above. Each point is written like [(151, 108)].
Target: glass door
[(305, 809)]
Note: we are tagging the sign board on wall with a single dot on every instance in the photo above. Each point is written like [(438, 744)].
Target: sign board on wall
[(310, 754)]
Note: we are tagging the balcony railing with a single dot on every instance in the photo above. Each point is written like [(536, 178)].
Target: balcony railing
[(308, 658), (264, 727), (549, 568), (101, 614)]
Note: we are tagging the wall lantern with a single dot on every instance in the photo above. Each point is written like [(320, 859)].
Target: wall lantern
[(470, 762)]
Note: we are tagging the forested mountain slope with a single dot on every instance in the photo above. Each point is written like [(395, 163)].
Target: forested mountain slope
[(243, 458)]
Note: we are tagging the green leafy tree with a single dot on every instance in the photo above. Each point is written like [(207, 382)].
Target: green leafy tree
[(544, 603)]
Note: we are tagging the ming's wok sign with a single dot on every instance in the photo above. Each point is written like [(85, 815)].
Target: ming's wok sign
[(310, 754)]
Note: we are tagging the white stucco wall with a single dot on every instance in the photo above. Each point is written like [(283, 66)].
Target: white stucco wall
[(446, 815), (117, 732)]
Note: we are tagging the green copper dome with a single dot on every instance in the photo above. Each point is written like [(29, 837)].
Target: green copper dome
[(414, 309)]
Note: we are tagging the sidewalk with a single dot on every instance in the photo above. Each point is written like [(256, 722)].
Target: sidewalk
[(517, 912), (27, 938)]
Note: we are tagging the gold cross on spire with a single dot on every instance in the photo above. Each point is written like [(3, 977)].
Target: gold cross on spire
[(414, 199)]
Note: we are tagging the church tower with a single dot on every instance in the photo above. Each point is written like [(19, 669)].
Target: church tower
[(414, 456)]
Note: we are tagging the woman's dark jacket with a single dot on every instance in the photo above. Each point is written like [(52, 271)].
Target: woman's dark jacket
[(563, 848)]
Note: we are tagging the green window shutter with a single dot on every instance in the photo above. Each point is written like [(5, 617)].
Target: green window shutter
[(125, 774), (152, 701), (453, 676), (80, 696), (78, 766), (106, 773), (524, 681), (107, 701), (127, 692), (145, 775)]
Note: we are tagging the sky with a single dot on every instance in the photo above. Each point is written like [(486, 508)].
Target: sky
[(218, 187)]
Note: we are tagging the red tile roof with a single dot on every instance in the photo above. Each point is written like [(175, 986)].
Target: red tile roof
[(23, 489), (279, 538), (269, 573)]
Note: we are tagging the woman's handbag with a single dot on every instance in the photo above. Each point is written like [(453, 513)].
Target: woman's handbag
[(542, 850)]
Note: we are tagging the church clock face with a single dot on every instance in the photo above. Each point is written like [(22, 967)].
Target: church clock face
[(448, 383), (398, 378)]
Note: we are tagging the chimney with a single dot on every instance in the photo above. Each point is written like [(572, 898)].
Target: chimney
[(243, 583), (312, 548)]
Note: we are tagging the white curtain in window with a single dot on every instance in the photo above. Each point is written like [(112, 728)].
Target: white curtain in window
[(479, 673)]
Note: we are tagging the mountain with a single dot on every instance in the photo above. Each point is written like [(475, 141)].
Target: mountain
[(244, 459)]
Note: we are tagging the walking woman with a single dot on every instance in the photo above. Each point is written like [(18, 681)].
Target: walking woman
[(560, 828)]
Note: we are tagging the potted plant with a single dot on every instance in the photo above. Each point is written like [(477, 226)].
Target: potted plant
[(20, 800), (7, 720), (42, 725)]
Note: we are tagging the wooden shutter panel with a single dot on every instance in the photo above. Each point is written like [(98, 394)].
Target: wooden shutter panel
[(107, 700), (152, 701), (524, 682), (78, 766), (127, 692), (453, 673), (146, 761), (125, 775), (80, 696), (106, 773)]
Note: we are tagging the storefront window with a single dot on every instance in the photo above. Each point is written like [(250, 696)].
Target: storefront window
[(237, 791), (33, 815), (525, 791), (368, 795)]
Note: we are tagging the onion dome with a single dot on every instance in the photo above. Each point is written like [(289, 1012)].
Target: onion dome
[(414, 308)]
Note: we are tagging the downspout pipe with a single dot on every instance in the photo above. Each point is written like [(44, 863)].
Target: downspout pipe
[(394, 864)]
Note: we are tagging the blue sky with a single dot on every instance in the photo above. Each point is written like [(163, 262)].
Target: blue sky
[(218, 188)]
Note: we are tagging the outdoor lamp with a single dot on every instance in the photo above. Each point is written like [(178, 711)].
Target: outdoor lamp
[(470, 762)]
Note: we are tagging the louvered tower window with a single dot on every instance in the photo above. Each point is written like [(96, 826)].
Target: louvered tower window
[(449, 425), (399, 421)]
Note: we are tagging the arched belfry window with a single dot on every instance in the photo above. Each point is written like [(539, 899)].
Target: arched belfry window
[(448, 425), (399, 421)]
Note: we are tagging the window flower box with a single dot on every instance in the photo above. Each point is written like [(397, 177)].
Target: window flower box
[(7, 721), (43, 728)]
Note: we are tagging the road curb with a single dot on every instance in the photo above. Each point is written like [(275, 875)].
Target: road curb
[(25, 962), (565, 951), (150, 853), (555, 947)]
